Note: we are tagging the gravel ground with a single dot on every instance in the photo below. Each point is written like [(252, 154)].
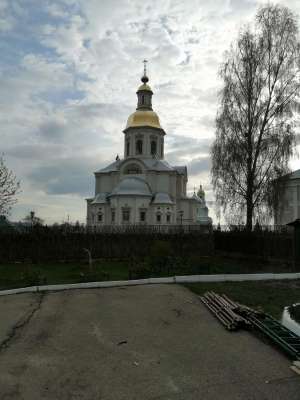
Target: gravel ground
[(136, 343)]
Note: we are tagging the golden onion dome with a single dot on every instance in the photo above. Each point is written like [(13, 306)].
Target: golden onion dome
[(143, 118), (146, 87)]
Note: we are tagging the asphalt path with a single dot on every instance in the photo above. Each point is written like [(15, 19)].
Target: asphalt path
[(155, 342)]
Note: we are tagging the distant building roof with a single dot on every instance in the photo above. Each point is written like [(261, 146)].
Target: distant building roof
[(294, 174), (290, 175), (197, 198)]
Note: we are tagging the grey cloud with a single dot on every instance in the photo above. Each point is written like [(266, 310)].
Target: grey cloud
[(207, 121), (69, 176), (183, 148), (207, 96), (52, 130), (100, 110), (35, 151), (193, 40), (199, 165), (242, 6)]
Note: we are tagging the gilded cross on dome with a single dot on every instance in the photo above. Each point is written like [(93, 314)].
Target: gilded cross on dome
[(145, 78), (145, 65)]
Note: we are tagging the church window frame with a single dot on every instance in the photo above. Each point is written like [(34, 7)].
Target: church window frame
[(100, 217), (126, 215), (128, 148), (143, 216), (168, 218), (153, 147), (158, 218), (139, 146), (133, 169), (113, 216)]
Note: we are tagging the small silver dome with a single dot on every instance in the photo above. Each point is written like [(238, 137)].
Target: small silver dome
[(162, 198)]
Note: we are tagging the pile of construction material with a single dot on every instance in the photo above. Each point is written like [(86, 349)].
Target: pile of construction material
[(234, 316), (296, 367), (227, 311)]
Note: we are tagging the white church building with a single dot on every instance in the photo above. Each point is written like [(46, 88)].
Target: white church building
[(143, 188)]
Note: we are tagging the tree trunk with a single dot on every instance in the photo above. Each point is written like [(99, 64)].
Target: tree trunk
[(249, 212), (249, 197)]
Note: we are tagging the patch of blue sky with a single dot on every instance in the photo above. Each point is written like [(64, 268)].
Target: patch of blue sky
[(30, 20), (35, 14), (16, 44), (13, 48), (44, 13), (60, 97)]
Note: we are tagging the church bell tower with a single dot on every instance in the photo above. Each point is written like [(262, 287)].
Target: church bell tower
[(144, 136)]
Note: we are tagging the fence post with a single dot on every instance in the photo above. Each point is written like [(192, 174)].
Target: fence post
[(296, 225)]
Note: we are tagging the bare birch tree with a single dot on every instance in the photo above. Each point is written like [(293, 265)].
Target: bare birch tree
[(9, 187), (255, 121)]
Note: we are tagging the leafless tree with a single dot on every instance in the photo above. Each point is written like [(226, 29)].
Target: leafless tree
[(9, 188), (255, 122), (33, 220)]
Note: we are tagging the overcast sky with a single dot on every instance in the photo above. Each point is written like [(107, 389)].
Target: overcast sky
[(69, 70)]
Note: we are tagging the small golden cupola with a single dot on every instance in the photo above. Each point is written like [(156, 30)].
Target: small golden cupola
[(144, 116)]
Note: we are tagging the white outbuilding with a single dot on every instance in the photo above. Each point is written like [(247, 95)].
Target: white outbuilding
[(143, 188)]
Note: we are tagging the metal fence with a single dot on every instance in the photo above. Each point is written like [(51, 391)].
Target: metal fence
[(66, 242)]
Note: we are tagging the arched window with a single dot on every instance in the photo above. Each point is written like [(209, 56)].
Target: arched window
[(143, 99), (126, 215), (158, 217), (133, 169), (153, 147), (142, 216), (113, 216), (127, 147), (100, 217), (139, 146)]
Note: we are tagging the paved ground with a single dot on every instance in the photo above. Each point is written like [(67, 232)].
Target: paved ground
[(138, 343)]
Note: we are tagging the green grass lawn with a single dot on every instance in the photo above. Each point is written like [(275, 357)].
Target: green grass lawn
[(271, 296), (20, 275)]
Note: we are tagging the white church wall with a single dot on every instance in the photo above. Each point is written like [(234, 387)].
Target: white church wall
[(163, 182), (151, 179), (163, 210), (106, 182), (289, 204), (172, 189), (180, 186), (184, 205), (133, 204)]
